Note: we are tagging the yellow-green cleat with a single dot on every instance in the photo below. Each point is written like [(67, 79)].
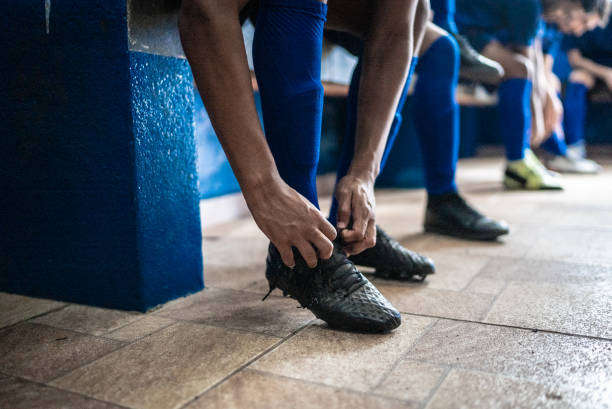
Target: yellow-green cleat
[(529, 174)]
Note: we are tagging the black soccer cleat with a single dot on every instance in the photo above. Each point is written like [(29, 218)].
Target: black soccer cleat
[(392, 261), (334, 291), (450, 215), (476, 67)]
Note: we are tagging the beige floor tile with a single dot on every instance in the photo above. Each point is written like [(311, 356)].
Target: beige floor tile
[(547, 271), (566, 308), (257, 390), (587, 245), (438, 303), (240, 310), (43, 353), (90, 320), (21, 394), (411, 380), (473, 390), (453, 272), (483, 285), (343, 359), (579, 363), (168, 368), (234, 263), (15, 308), (140, 328)]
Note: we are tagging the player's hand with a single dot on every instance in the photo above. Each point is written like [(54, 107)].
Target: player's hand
[(289, 220), (356, 218)]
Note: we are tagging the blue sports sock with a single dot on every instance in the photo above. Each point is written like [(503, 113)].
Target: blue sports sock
[(444, 14), (515, 116), (575, 106), (287, 57), (555, 145), (436, 114), (348, 144)]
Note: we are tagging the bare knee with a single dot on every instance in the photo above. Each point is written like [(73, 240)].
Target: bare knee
[(519, 67), (582, 77), (208, 10)]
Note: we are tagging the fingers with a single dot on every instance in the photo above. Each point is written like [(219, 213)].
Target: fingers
[(308, 253), (286, 254), (343, 216), (327, 229), (369, 240), (322, 244), (361, 216)]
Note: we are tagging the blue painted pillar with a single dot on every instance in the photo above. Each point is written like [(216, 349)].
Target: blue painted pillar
[(98, 183)]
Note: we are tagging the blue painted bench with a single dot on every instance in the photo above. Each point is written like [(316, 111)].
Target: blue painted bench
[(98, 183)]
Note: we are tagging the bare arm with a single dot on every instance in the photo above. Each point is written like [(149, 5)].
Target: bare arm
[(213, 42), (577, 60), (389, 44)]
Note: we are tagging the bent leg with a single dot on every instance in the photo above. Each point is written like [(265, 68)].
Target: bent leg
[(287, 56), (575, 105), (514, 99), (436, 113)]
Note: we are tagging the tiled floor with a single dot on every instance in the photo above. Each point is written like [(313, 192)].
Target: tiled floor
[(524, 323)]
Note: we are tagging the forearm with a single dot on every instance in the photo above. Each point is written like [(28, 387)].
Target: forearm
[(215, 50), (388, 51), (577, 60)]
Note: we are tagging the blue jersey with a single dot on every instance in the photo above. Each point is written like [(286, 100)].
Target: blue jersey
[(552, 39), (511, 22), (595, 45)]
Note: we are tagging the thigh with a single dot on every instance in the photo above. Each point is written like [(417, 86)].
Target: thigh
[(357, 16), (515, 64)]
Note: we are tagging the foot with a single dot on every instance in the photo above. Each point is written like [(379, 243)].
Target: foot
[(570, 164), (529, 174), (474, 66), (392, 261), (334, 291), (451, 215)]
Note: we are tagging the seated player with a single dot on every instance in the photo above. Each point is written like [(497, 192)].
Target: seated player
[(474, 66), (436, 116), (504, 31), (590, 57), (277, 176), (567, 159)]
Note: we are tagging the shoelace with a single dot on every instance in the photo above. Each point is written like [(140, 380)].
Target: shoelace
[(467, 209), (344, 276)]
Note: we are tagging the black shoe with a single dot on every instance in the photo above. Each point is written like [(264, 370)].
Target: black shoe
[(334, 291), (450, 215), (474, 66), (392, 261)]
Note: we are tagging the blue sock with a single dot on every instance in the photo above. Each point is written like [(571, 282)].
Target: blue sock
[(555, 145), (515, 116), (575, 106), (436, 114), (444, 14), (348, 144), (287, 57)]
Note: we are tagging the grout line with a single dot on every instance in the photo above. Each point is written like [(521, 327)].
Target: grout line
[(338, 388), (434, 390), (494, 300), (402, 357), (35, 316), (125, 345), (65, 390), (248, 363), (492, 324)]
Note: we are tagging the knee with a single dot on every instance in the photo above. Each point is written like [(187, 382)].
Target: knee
[(520, 67), (582, 77), (422, 15), (203, 11)]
